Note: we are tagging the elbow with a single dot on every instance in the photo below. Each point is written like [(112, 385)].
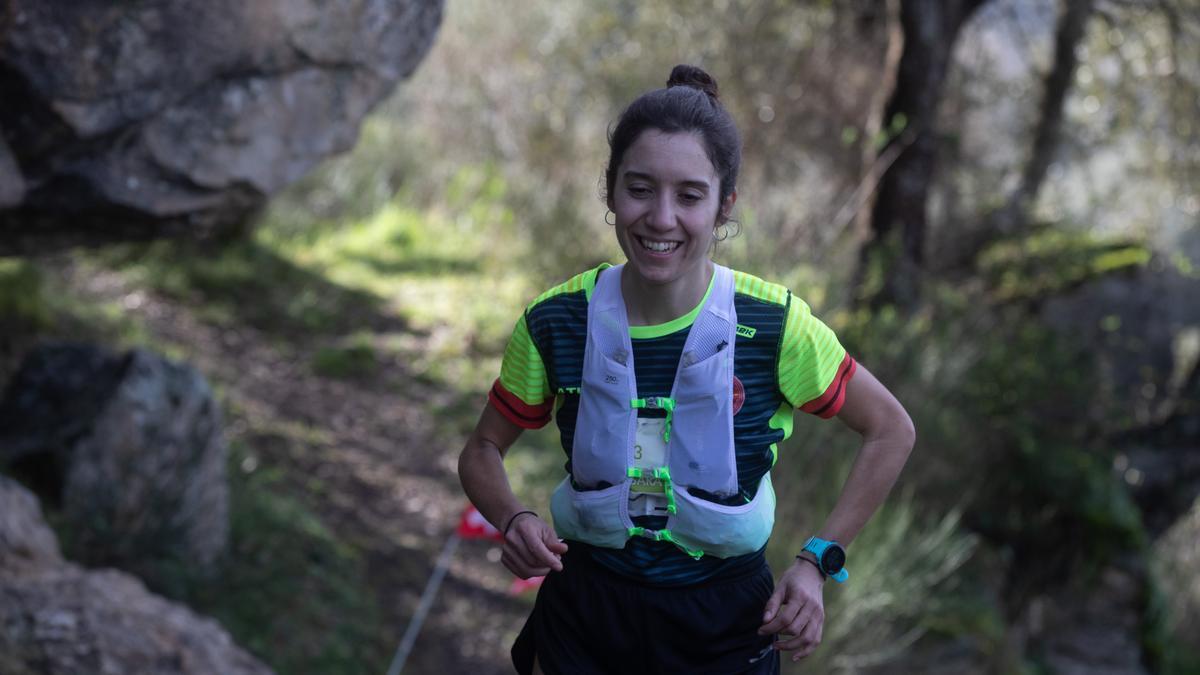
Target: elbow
[(905, 431), (466, 460), (476, 453), (909, 431), (895, 431)]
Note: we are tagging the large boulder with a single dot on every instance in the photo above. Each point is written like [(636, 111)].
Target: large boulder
[(140, 119), (26, 542), (129, 449), (58, 618), (1090, 627), (1144, 330)]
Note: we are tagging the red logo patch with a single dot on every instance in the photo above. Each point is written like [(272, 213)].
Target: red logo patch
[(739, 395)]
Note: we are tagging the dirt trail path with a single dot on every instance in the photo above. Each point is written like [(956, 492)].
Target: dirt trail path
[(388, 480)]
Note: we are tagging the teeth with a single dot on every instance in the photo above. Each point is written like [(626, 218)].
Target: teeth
[(659, 246)]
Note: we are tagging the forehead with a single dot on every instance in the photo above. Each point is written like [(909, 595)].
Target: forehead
[(672, 157)]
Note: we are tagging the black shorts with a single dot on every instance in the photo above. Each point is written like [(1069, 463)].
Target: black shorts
[(586, 619)]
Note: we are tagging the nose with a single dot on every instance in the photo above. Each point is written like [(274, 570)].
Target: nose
[(662, 213)]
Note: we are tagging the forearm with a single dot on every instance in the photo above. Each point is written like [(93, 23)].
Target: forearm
[(875, 470)]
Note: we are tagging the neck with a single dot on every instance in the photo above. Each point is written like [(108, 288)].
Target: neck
[(649, 304)]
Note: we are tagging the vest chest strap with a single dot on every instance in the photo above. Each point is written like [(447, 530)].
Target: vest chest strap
[(658, 403)]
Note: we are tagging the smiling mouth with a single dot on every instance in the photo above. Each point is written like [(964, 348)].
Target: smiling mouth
[(658, 246)]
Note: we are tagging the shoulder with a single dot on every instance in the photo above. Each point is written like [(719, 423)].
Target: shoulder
[(753, 288), (577, 287)]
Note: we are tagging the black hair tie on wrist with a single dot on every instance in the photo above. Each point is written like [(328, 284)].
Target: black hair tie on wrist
[(514, 519), (814, 563)]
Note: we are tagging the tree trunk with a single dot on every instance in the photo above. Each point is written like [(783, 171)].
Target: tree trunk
[(1013, 216), (892, 259)]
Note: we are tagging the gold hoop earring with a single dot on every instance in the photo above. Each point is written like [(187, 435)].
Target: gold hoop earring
[(614, 218)]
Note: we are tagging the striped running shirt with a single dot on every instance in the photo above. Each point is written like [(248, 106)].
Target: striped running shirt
[(785, 358)]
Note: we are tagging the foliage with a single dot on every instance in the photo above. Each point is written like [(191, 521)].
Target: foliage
[(290, 591), (477, 185), (243, 282), (1053, 260), (906, 570), (355, 358), (1009, 397), (23, 307)]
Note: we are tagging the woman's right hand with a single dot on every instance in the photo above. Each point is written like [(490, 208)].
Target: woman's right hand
[(531, 548)]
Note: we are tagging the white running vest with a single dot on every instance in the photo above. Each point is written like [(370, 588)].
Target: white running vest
[(699, 435)]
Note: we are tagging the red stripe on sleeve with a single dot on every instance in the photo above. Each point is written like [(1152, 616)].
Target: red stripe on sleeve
[(828, 404), (517, 411)]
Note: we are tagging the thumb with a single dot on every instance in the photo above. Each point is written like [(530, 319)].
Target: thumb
[(773, 604), (552, 542)]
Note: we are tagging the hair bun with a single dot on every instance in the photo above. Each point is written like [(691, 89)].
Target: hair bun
[(690, 76)]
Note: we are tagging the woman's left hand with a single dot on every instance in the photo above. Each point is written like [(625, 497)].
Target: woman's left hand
[(797, 607)]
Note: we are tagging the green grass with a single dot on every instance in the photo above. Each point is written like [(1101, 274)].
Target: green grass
[(353, 358), (291, 590), (23, 302)]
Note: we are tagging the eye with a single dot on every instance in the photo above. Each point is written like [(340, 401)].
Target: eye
[(638, 191), (690, 197)]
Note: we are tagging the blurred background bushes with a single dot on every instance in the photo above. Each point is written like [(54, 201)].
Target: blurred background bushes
[(479, 184)]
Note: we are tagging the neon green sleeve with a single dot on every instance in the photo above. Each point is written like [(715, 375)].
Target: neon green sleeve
[(813, 366)]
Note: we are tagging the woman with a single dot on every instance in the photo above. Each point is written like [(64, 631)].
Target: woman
[(673, 379)]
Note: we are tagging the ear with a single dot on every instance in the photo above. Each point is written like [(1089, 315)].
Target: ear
[(727, 205)]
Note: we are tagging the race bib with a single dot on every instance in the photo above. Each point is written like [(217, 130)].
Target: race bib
[(646, 497)]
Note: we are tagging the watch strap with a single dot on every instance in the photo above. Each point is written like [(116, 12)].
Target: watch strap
[(817, 546)]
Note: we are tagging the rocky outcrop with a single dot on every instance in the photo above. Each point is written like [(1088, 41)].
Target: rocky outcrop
[(1144, 330), (143, 119), (1091, 628), (25, 541), (128, 448), (58, 618)]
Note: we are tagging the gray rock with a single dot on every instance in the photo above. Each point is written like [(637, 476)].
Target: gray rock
[(25, 539), (143, 119), (1144, 329), (12, 183), (1092, 628), (129, 447), (58, 618)]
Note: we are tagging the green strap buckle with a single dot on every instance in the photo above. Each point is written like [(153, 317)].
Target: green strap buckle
[(658, 403), (664, 474), (664, 535)]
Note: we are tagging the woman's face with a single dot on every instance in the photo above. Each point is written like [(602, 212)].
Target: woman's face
[(666, 197)]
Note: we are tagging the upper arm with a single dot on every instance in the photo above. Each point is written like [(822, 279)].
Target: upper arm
[(871, 410), (494, 430)]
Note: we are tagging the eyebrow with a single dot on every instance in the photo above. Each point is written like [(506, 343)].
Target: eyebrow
[(696, 183)]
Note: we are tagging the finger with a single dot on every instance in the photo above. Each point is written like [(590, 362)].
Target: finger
[(556, 545), (810, 646), (542, 555), (772, 607), (796, 629), (807, 641), (784, 617), (521, 569)]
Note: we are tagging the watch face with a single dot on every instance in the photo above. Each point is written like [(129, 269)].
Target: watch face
[(833, 560)]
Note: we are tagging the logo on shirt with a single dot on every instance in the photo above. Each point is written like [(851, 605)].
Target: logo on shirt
[(746, 331), (739, 395)]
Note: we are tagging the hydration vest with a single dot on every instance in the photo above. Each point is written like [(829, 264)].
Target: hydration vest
[(698, 434)]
